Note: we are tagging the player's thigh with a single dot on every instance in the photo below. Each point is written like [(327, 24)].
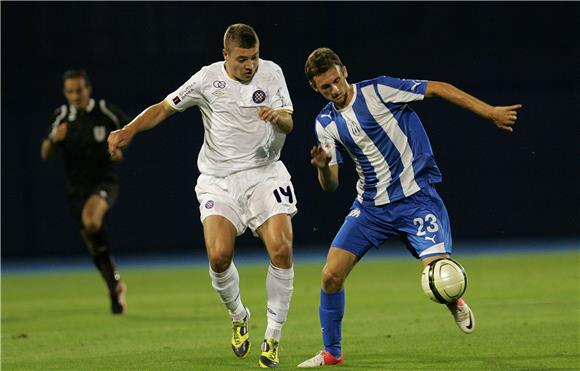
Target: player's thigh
[(219, 236), (94, 210), (216, 198), (425, 224), (356, 234), (272, 195)]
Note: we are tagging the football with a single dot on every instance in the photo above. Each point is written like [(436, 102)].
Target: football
[(444, 281)]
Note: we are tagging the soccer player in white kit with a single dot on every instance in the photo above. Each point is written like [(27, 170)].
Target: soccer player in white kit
[(247, 113)]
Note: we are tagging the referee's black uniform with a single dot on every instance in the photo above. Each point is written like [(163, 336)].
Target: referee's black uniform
[(88, 165)]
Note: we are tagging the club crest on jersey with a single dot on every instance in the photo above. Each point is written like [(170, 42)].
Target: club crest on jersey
[(259, 96), (218, 84), (99, 133), (209, 204), (354, 128)]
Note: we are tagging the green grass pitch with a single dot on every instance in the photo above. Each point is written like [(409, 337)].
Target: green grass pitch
[(526, 306)]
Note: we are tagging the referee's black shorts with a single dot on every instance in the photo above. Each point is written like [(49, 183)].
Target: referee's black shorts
[(79, 194)]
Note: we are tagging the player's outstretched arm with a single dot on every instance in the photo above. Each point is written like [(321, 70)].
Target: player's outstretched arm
[(148, 119), (504, 117), (327, 175)]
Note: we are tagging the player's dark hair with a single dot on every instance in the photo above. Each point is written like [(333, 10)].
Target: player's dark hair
[(320, 61), (240, 35), (77, 74)]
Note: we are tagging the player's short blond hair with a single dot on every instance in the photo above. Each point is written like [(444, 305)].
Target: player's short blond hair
[(240, 35)]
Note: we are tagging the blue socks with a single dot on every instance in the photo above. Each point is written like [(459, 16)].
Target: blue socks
[(331, 312)]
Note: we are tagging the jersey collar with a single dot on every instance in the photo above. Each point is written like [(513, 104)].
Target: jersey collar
[(89, 108), (352, 99), (91, 105)]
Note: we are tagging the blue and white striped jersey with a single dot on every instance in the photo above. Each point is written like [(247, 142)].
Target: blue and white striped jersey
[(384, 137)]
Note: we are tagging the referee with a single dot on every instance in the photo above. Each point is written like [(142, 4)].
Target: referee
[(80, 130)]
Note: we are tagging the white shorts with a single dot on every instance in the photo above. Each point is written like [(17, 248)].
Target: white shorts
[(247, 198)]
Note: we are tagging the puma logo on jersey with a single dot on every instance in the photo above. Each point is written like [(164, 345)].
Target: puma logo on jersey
[(432, 239), (325, 115)]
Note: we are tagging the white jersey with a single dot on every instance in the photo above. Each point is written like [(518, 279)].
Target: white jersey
[(235, 138)]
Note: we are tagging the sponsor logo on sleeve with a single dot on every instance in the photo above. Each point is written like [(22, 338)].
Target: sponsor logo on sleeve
[(176, 99), (415, 84)]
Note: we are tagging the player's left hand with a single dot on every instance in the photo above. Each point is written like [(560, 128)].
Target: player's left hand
[(504, 117), (268, 114)]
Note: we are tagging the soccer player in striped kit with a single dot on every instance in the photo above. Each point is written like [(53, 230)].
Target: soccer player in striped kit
[(372, 123)]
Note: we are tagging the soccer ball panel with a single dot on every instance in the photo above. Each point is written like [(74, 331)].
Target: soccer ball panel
[(444, 281)]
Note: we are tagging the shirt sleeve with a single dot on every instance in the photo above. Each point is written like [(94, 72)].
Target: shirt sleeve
[(188, 94), (57, 117), (328, 143), (281, 99), (394, 90)]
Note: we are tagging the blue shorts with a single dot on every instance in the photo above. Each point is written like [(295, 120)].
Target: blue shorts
[(420, 221)]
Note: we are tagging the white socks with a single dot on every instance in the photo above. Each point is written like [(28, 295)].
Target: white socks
[(227, 286), (279, 287)]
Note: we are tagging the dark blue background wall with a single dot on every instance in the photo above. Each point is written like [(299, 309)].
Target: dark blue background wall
[(496, 185)]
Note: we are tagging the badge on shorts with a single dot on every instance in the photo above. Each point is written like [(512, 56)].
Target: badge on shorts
[(99, 133), (258, 96), (209, 204)]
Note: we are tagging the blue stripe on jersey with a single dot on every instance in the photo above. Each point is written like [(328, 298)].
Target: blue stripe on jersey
[(382, 141), (424, 166), (325, 117), (370, 177)]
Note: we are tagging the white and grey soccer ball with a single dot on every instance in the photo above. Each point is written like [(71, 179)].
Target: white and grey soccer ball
[(444, 281)]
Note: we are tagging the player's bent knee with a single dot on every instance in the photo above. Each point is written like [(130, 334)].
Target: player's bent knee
[(220, 263), (91, 226), (331, 281), (281, 255)]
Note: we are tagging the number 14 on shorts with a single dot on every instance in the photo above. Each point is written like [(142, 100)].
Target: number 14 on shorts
[(284, 192)]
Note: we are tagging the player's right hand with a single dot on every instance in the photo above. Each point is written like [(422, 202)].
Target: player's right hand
[(118, 140), (60, 133), (320, 158)]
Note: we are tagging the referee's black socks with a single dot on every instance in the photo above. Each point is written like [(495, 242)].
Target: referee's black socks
[(101, 254)]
